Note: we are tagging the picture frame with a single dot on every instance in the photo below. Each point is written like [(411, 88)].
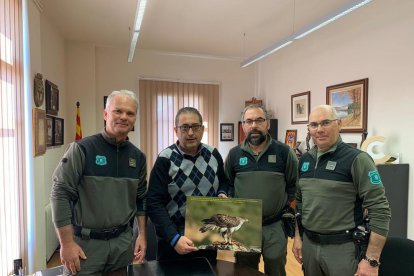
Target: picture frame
[(39, 131), (52, 98), (253, 100), (350, 100), (226, 132), (291, 138), (50, 130), (300, 108), (58, 133)]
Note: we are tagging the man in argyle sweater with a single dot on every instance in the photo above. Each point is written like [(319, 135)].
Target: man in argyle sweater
[(186, 168)]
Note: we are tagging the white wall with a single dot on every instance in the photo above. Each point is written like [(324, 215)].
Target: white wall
[(375, 42), (108, 70), (46, 57), (85, 73)]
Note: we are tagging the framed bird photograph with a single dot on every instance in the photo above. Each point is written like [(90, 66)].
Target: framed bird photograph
[(233, 224)]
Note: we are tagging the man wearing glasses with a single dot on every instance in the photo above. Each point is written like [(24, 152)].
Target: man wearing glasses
[(266, 169), (337, 185), (186, 168)]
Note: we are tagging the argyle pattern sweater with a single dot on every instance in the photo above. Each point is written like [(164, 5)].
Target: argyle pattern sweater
[(174, 177)]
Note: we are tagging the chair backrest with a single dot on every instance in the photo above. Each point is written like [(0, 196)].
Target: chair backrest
[(397, 257), (151, 253), (152, 244)]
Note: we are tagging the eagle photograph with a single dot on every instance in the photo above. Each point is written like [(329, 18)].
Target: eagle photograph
[(224, 223)]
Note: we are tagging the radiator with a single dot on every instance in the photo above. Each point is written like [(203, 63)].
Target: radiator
[(52, 242)]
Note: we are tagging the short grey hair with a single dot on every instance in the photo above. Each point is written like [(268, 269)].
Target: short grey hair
[(328, 108), (127, 93), (255, 106), (188, 110)]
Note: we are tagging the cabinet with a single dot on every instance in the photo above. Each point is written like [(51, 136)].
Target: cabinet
[(272, 130), (395, 180)]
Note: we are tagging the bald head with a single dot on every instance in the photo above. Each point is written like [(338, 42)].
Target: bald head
[(324, 126)]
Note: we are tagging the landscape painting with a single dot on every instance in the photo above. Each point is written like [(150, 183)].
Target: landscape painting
[(350, 101)]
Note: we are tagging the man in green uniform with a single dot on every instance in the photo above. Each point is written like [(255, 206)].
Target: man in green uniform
[(337, 183), (263, 168), (99, 188)]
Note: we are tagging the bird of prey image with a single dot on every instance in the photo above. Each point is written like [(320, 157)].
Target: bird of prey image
[(224, 224)]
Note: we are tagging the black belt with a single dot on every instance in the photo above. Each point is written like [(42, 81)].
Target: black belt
[(103, 234), (335, 238), (267, 220)]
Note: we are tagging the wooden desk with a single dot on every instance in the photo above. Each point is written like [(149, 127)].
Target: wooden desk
[(194, 267)]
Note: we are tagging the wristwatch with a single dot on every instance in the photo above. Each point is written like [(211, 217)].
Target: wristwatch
[(372, 262)]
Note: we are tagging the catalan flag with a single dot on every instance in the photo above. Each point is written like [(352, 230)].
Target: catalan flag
[(78, 123)]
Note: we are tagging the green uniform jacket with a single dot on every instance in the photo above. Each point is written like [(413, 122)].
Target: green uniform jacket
[(99, 184), (336, 187), (271, 176)]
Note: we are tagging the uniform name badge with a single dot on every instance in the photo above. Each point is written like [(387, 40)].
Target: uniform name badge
[(271, 158), (132, 162), (331, 165)]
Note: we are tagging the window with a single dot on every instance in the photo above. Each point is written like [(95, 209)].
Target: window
[(159, 102), (11, 136)]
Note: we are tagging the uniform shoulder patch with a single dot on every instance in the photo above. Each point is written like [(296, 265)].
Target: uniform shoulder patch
[(374, 177)]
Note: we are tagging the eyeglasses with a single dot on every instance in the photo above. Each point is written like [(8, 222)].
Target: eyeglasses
[(323, 123), (186, 128), (258, 121)]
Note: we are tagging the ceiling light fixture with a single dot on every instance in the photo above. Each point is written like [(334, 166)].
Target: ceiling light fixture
[(139, 15), (350, 7)]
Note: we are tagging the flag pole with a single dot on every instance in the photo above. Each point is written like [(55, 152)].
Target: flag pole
[(78, 135)]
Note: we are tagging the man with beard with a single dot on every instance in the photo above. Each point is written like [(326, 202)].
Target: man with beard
[(263, 168)]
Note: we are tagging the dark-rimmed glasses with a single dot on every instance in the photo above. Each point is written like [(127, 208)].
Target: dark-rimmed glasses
[(258, 121), (323, 123), (186, 128)]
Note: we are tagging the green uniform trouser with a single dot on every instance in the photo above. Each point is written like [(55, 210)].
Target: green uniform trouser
[(328, 259), (105, 256), (274, 246)]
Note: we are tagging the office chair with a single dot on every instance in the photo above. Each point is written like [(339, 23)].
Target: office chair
[(397, 257), (152, 245)]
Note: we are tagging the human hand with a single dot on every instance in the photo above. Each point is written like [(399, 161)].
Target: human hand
[(70, 255), (297, 248), (365, 269), (184, 246), (140, 249)]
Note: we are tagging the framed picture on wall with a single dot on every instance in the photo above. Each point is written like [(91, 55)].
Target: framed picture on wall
[(300, 108), (291, 137), (350, 100), (52, 98), (226, 132), (39, 131), (50, 125), (59, 131)]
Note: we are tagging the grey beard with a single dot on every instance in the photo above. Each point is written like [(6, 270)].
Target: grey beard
[(256, 140)]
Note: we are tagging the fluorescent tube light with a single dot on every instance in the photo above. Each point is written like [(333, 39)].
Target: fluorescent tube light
[(350, 7), (139, 15), (270, 50), (331, 18)]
